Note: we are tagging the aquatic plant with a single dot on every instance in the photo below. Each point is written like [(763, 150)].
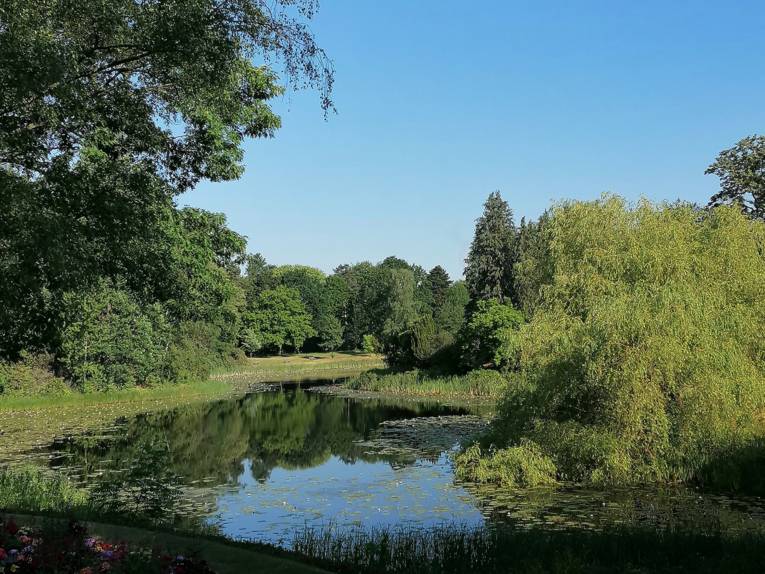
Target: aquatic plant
[(519, 466)]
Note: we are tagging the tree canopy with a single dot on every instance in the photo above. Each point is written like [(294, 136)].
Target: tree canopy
[(489, 264), (741, 170)]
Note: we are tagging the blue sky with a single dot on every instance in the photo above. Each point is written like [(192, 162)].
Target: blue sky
[(441, 102)]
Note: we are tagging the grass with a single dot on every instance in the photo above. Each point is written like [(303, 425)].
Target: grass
[(455, 550), (28, 488), (475, 385), (302, 366), (234, 378)]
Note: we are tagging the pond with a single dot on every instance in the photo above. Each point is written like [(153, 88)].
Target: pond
[(268, 464)]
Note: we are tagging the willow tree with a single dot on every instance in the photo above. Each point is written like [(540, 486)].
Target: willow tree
[(644, 359)]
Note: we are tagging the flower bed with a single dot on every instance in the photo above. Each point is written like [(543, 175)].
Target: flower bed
[(71, 550)]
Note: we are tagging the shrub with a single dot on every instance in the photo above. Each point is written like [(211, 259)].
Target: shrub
[(196, 350), (371, 344), (109, 340), (31, 375), (513, 467), (490, 336), (644, 360)]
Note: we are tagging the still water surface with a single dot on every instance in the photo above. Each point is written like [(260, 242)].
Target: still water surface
[(271, 463)]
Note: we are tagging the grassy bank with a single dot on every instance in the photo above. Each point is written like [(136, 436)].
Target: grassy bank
[(474, 385), (301, 367), (232, 379), (26, 423)]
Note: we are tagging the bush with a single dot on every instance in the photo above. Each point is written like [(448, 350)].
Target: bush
[(490, 336), (31, 375), (644, 360), (109, 340), (196, 351), (514, 467), (371, 344)]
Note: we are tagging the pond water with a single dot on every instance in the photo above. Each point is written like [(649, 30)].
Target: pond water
[(268, 464)]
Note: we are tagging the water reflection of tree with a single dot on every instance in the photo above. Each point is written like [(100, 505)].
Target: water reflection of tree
[(208, 443)]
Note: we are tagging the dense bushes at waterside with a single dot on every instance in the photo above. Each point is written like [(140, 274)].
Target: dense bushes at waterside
[(644, 359)]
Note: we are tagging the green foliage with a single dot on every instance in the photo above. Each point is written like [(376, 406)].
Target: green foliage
[(489, 264), (439, 282), (278, 319), (451, 315), (741, 170), (475, 384), (30, 376), (491, 335), (112, 75), (533, 268), (644, 360), (107, 112), (514, 467), (323, 300), (427, 340), (29, 489), (371, 344), (196, 350), (109, 340)]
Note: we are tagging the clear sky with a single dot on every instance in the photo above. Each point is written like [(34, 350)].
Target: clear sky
[(441, 102)]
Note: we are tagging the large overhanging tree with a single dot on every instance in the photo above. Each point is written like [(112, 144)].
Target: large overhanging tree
[(173, 85), (108, 110)]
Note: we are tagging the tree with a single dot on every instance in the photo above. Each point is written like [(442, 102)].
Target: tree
[(258, 276), (365, 309), (278, 319), (113, 75), (489, 264), (451, 315), (741, 170), (490, 336), (533, 269), (108, 110), (644, 360), (109, 340), (439, 282)]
